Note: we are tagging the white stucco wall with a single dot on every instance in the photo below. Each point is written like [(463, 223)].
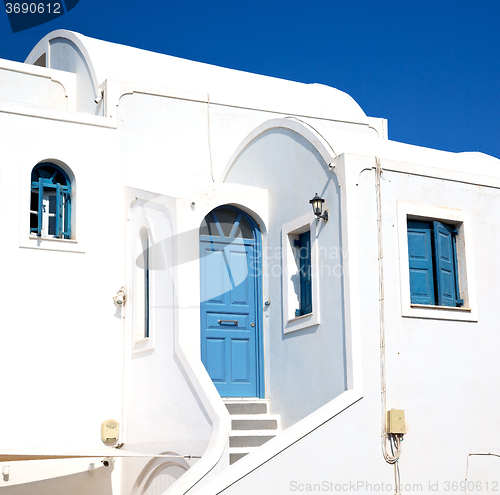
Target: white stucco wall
[(62, 337), (162, 412), (183, 141), (36, 86)]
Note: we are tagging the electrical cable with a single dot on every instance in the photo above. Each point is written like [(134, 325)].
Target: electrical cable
[(395, 440)]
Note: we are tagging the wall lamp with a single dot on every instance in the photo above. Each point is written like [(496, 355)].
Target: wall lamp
[(120, 298), (317, 206)]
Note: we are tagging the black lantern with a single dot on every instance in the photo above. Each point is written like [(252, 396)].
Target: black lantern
[(317, 206)]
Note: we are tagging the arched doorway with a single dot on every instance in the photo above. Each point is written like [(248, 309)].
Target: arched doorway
[(162, 479), (231, 320)]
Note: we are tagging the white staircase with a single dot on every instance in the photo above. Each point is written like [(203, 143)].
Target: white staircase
[(251, 426)]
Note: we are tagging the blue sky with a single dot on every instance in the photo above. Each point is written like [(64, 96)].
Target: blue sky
[(431, 68)]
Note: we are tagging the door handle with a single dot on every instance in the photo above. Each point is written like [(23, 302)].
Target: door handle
[(227, 321)]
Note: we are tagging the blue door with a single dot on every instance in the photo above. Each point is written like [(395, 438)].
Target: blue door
[(231, 342)]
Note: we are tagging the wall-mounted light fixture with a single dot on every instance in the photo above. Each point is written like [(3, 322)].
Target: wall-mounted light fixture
[(317, 206), (120, 298)]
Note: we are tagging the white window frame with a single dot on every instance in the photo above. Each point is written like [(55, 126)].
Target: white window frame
[(141, 343), (142, 287), (289, 232), (466, 280)]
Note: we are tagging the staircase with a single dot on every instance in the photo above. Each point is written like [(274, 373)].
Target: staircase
[(251, 426)]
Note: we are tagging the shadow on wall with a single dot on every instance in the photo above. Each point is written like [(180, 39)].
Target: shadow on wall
[(96, 481)]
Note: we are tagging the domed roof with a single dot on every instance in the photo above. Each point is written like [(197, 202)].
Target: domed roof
[(113, 61)]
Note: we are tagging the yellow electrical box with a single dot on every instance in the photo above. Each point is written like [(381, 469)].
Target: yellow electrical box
[(109, 431), (396, 422)]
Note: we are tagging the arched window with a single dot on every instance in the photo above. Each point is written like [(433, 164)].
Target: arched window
[(142, 280), (50, 211)]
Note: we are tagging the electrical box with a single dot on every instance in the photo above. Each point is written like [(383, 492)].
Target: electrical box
[(109, 431), (396, 422)]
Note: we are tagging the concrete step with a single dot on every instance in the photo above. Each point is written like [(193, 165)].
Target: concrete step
[(236, 453), (247, 406), (236, 456), (252, 439), (266, 422), (251, 426)]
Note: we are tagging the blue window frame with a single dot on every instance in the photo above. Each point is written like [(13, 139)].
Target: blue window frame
[(432, 256), (304, 254), (50, 210)]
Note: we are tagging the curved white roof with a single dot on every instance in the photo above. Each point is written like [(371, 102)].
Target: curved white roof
[(112, 61)]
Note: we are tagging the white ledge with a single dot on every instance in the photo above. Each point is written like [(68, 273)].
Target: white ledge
[(51, 244), (430, 306)]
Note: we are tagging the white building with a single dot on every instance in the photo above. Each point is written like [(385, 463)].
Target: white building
[(184, 190)]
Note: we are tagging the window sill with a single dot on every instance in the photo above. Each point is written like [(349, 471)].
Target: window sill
[(301, 317), (143, 345), (301, 322), (51, 244), (440, 312), (452, 308), (52, 239)]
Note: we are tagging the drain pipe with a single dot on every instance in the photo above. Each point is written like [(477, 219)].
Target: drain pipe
[(395, 439)]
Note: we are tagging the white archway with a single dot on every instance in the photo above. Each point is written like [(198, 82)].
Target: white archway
[(293, 124)]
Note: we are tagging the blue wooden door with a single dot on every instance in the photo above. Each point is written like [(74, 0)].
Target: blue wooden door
[(230, 283)]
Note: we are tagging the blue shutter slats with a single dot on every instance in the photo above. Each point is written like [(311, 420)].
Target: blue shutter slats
[(446, 276), (420, 261), (445, 271), (459, 301), (67, 214)]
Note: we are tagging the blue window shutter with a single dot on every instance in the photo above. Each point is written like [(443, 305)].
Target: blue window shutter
[(59, 210), (459, 301), (67, 215), (446, 279), (40, 206), (420, 261), (33, 205), (305, 273)]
